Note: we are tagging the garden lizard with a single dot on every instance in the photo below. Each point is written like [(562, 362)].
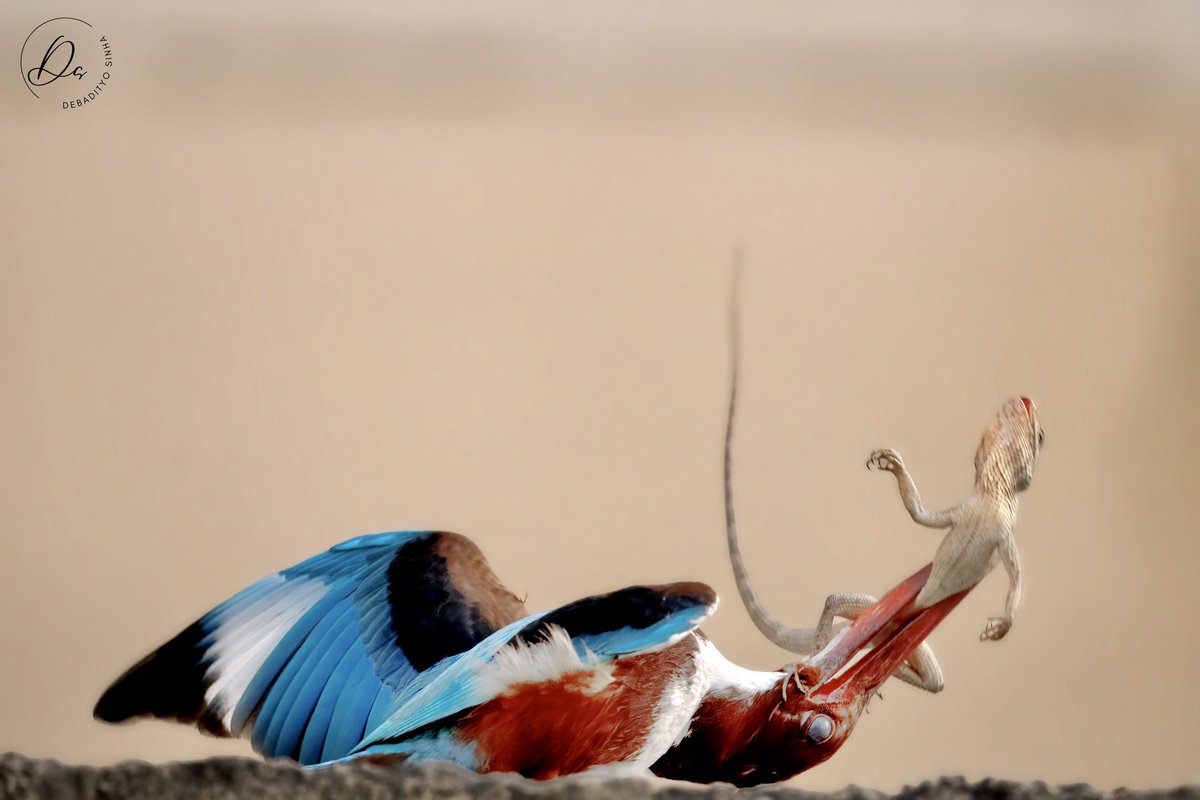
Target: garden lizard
[(981, 531), (920, 670)]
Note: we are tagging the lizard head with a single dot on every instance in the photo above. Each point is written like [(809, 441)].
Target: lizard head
[(1009, 447)]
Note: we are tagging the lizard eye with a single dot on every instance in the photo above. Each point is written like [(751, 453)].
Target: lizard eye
[(820, 729)]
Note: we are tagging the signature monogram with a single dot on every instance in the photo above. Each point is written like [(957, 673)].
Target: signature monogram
[(66, 47), (38, 76)]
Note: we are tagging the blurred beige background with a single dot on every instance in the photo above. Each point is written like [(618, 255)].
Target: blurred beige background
[(304, 273)]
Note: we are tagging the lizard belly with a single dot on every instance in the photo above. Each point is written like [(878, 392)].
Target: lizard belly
[(961, 562)]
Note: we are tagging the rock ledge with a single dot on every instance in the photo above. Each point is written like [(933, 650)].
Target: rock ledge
[(24, 778)]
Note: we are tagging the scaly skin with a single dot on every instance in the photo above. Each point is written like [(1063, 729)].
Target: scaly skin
[(980, 527)]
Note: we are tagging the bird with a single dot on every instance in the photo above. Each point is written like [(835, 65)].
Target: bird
[(404, 646)]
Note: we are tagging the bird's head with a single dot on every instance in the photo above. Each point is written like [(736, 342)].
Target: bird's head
[(815, 718)]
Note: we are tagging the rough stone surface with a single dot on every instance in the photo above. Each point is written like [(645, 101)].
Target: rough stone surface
[(24, 778)]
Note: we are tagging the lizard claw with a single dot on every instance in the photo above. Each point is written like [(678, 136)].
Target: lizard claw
[(887, 460), (996, 628)]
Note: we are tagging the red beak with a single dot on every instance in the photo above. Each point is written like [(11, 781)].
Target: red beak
[(893, 628)]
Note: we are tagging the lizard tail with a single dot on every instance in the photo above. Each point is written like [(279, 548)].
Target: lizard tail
[(792, 639)]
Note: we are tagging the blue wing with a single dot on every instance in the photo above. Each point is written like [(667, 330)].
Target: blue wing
[(307, 660), (600, 630)]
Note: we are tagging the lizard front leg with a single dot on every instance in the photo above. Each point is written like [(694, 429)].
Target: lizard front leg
[(889, 460), (997, 627)]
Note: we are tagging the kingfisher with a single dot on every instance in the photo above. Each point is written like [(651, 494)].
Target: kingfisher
[(406, 646)]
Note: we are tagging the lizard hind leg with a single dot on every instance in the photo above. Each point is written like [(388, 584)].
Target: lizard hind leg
[(847, 605), (920, 670)]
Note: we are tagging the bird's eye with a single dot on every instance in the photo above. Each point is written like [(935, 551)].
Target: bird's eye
[(1041, 438), (820, 729)]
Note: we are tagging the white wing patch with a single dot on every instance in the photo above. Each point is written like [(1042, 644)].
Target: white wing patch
[(543, 661), (243, 640)]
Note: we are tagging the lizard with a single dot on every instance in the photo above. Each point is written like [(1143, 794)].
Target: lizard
[(980, 531), (921, 669)]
